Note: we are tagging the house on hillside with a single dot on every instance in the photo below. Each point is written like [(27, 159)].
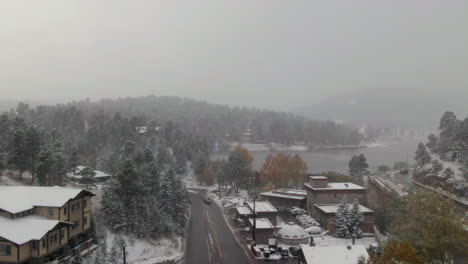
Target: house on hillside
[(99, 176), (39, 222)]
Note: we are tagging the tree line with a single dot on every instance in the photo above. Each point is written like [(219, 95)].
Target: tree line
[(450, 145)]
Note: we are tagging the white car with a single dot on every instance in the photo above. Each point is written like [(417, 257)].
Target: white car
[(297, 211)]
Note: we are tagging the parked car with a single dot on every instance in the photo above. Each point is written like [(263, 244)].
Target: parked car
[(297, 211)]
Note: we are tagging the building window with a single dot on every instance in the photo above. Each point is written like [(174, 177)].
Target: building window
[(75, 206), (44, 243), (53, 239), (84, 203), (50, 211), (33, 245), (5, 250), (76, 224), (65, 210), (62, 235), (335, 195), (85, 220)]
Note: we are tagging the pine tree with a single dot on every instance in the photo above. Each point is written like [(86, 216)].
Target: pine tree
[(358, 166), (115, 255), (88, 179), (436, 166), (342, 219), (355, 220), (432, 143), (464, 168), (44, 165), (18, 156), (448, 129), (73, 160), (101, 253), (422, 156), (33, 145)]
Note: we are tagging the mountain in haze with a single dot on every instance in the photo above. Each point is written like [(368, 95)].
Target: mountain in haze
[(389, 108)]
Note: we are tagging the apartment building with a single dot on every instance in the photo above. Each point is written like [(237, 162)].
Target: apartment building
[(36, 222)]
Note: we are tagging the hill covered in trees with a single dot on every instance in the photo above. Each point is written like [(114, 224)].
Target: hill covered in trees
[(94, 127), (445, 165)]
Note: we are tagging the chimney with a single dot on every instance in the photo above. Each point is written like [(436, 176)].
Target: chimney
[(318, 181)]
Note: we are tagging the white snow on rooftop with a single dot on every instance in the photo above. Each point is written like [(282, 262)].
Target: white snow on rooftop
[(334, 255), (262, 223), (262, 207), (15, 199), (338, 186), (24, 229), (243, 210), (283, 195), (332, 208), (78, 169)]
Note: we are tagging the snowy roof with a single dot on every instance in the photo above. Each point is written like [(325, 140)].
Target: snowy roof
[(332, 208), (262, 207), (292, 231), (334, 254), (15, 199), (282, 195), (24, 229), (262, 223), (78, 169), (243, 210), (318, 178), (337, 186)]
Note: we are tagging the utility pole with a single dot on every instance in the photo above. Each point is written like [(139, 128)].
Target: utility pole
[(124, 256), (254, 220)]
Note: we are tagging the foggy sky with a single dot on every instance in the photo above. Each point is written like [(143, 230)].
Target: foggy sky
[(273, 54)]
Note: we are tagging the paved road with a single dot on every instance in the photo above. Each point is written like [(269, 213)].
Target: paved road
[(210, 240)]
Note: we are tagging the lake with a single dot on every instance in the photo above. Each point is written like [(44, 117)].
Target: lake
[(337, 160)]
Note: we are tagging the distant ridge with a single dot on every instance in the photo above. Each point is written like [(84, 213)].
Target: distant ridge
[(389, 107)]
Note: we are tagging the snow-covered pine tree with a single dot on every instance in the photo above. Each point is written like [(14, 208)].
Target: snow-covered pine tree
[(422, 157), (342, 219), (436, 166), (355, 220), (432, 142), (464, 168), (115, 254), (180, 158), (101, 253), (448, 173)]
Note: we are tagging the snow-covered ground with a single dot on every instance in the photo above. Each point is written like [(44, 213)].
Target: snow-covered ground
[(4, 180), (151, 251), (269, 146), (327, 241)]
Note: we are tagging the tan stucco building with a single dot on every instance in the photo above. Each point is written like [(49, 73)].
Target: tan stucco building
[(36, 222)]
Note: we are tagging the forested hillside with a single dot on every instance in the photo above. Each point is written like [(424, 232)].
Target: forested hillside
[(445, 165), (94, 127)]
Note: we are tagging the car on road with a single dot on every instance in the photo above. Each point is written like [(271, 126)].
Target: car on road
[(208, 200)]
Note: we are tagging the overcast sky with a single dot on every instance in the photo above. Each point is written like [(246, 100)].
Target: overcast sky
[(274, 54)]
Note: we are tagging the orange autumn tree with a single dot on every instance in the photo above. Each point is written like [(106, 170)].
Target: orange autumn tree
[(283, 170), (395, 253)]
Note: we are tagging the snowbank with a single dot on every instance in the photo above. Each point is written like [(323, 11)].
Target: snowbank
[(150, 251)]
